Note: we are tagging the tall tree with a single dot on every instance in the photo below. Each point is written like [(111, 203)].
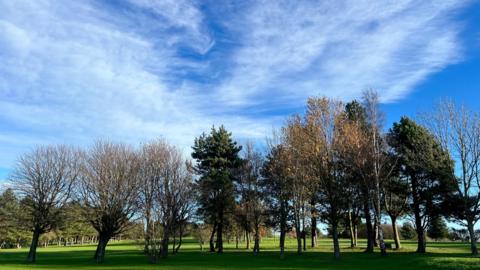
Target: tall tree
[(303, 185), (357, 164), (251, 191), (109, 190), (276, 185), (428, 168), (457, 128), (45, 178), (217, 158), (379, 162), (324, 120)]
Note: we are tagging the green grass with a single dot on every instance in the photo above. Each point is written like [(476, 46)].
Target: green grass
[(127, 255)]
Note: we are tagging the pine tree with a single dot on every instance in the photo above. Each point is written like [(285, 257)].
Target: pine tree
[(438, 228), (217, 158)]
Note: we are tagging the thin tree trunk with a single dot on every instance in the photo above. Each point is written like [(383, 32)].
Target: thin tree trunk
[(237, 239), (212, 237), (299, 239), (219, 235), (355, 233), (304, 237), (179, 240), (32, 254), (350, 226), (256, 245), (396, 237), (314, 232), (473, 238), (283, 227), (99, 256), (247, 237)]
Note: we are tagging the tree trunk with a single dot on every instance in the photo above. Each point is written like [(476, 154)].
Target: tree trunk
[(179, 241), (247, 237), (350, 226), (336, 244), (396, 237), (32, 254), (381, 241), (314, 232), (304, 237), (368, 220), (148, 232), (99, 256), (283, 228), (236, 240), (165, 241), (421, 244), (219, 236), (473, 238), (256, 245), (355, 234), (299, 239), (212, 237)]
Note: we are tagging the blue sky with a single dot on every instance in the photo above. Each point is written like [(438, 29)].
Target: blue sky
[(134, 70)]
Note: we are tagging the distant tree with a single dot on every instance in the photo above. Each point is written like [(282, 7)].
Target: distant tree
[(437, 228), (109, 190), (407, 231), (75, 226), (45, 178), (11, 230), (216, 158), (429, 170), (457, 128)]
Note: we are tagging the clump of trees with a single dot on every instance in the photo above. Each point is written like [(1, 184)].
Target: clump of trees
[(334, 164)]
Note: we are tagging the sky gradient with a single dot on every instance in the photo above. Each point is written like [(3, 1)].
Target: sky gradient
[(76, 71)]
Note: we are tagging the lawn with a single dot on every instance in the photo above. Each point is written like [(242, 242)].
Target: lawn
[(127, 255)]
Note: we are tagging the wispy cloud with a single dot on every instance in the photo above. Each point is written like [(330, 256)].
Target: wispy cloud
[(73, 71), (295, 49)]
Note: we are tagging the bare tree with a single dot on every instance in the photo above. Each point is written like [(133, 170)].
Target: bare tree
[(167, 197), (109, 190), (45, 178), (457, 128), (380, 164)]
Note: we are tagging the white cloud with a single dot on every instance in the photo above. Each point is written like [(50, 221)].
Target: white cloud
[(73, 71)]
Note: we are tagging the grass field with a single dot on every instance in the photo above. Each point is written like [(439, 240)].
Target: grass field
[(127, 255)]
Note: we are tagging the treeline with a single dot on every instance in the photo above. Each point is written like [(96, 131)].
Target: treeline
[(333, 164)]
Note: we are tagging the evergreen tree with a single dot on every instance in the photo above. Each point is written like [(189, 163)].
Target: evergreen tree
[(11, 234), (217, 158), (438, 228), (407, 231), (428, 168)]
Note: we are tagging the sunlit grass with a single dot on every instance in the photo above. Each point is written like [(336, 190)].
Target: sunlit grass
[(128, 255)]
